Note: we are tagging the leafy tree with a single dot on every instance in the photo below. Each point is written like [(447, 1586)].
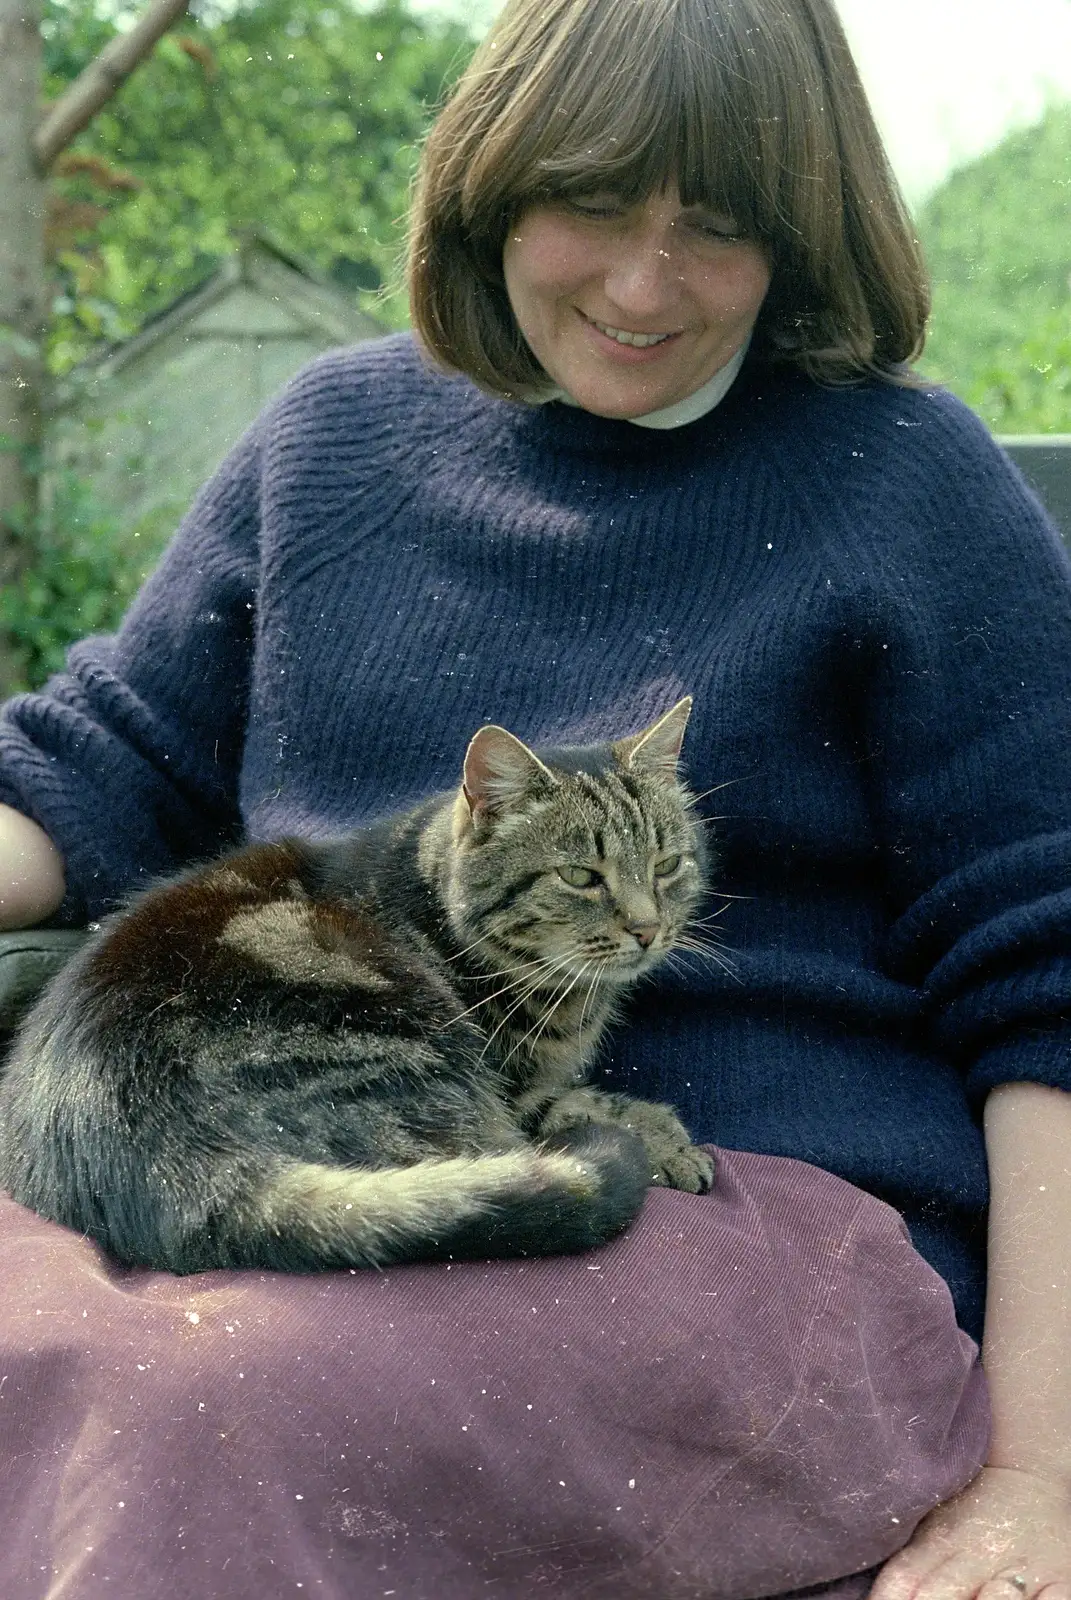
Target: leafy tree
[(998, 238), (29, 145), (80, 580), (290, 114), (296, 114)]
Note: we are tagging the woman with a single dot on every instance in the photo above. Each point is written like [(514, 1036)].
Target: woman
[(660, 244)]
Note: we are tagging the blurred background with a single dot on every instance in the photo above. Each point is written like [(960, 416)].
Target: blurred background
[(239, 206)]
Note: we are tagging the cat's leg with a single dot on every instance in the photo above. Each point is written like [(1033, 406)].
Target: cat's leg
[(676, 1163)]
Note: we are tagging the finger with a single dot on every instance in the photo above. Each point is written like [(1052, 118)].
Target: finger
[(967, 1577), (1021, 1584), (1013, 1585), (901, 1575)]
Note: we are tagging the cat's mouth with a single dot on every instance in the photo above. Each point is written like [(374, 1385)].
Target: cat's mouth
[(627, 963), (596, 967)]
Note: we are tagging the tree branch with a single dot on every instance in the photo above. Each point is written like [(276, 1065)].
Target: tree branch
[(100, 80)]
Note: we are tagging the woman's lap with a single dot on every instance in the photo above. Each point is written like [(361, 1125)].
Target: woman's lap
[(754, 1391)]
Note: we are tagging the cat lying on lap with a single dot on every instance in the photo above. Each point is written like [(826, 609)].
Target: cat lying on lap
[(373, 1050)]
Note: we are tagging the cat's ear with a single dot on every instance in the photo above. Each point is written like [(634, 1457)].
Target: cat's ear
[(657, 750), (499, 772)]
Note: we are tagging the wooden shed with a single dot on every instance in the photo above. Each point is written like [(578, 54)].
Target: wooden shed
[(153, 418)]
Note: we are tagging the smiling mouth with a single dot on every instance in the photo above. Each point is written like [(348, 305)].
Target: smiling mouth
[(638, 341)]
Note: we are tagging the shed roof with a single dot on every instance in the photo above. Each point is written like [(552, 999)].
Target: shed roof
[(306, 304), (151, 418)]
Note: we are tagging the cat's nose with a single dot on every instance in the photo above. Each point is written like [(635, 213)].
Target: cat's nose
[(642, 932)]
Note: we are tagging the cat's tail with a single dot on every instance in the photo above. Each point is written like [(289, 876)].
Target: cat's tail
[(567, 1194)]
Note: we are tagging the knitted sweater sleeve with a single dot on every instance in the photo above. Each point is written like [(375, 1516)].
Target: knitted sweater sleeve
[(129, 760), (967, 723)]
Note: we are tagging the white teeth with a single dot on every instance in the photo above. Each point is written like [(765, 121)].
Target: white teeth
[(640, 340)]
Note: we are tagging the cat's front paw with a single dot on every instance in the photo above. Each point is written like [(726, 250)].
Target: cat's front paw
[(676, 1163), (690, 1169)]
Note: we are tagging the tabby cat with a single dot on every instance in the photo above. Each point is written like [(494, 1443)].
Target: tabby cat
[(370, 1050)]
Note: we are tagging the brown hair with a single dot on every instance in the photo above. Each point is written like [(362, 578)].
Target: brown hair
[(755, 107)]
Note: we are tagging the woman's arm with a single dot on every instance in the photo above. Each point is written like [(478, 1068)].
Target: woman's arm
[(129, 760), (1014, 1520), (1027, 1349), (31, 872)]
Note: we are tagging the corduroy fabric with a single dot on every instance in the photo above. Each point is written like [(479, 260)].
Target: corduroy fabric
[(867, 603), (751, 1392)]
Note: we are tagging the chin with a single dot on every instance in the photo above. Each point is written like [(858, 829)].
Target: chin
[(630, 968), (617, 411)]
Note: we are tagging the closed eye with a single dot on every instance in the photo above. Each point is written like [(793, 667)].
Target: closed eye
[(595, 207), (722, 229), (715, 221)]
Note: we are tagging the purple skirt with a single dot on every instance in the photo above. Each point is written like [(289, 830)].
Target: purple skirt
[(752, 1392)]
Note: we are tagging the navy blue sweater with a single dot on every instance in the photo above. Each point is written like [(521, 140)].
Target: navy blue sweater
[(865, 600)]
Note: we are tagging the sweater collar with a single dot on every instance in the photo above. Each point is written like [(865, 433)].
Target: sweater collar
[(678, 415), (554, 425)]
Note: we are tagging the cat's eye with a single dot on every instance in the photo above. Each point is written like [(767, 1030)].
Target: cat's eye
[(667, 866), (578, 877)]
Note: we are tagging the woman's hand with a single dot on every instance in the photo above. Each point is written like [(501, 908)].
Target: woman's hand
[(31, 872), (1006, 1524)]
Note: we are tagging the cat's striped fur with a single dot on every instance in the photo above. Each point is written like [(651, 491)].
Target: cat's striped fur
[(372, 1050)]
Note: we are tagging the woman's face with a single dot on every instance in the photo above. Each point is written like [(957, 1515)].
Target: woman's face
[(581, 273)]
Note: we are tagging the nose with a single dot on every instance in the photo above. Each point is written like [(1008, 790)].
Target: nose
[(643, 276), (642, 932)]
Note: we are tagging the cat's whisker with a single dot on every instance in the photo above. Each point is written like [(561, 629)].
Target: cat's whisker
[(592, 986), (701, 935), (710, 954), (716, 788), (730, 972), (504, 1022), (493, 967), (482, 939), (502, 972), (519, 1005), (705, 939), (722, 909), (533, 988), (538, 1027), (461, 1015), (565, 964), (492, 936), (529, 984), (596, 980), (564, 967), (487, 998)]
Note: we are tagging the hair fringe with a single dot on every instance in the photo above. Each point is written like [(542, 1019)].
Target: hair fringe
[(754, 108)]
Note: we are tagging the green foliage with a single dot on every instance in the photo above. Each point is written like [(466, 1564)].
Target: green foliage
[(297, 116), (79, 579), (287, 114), (997, 236)]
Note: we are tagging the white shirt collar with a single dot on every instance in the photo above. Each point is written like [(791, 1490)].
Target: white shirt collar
[(690, 409)]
